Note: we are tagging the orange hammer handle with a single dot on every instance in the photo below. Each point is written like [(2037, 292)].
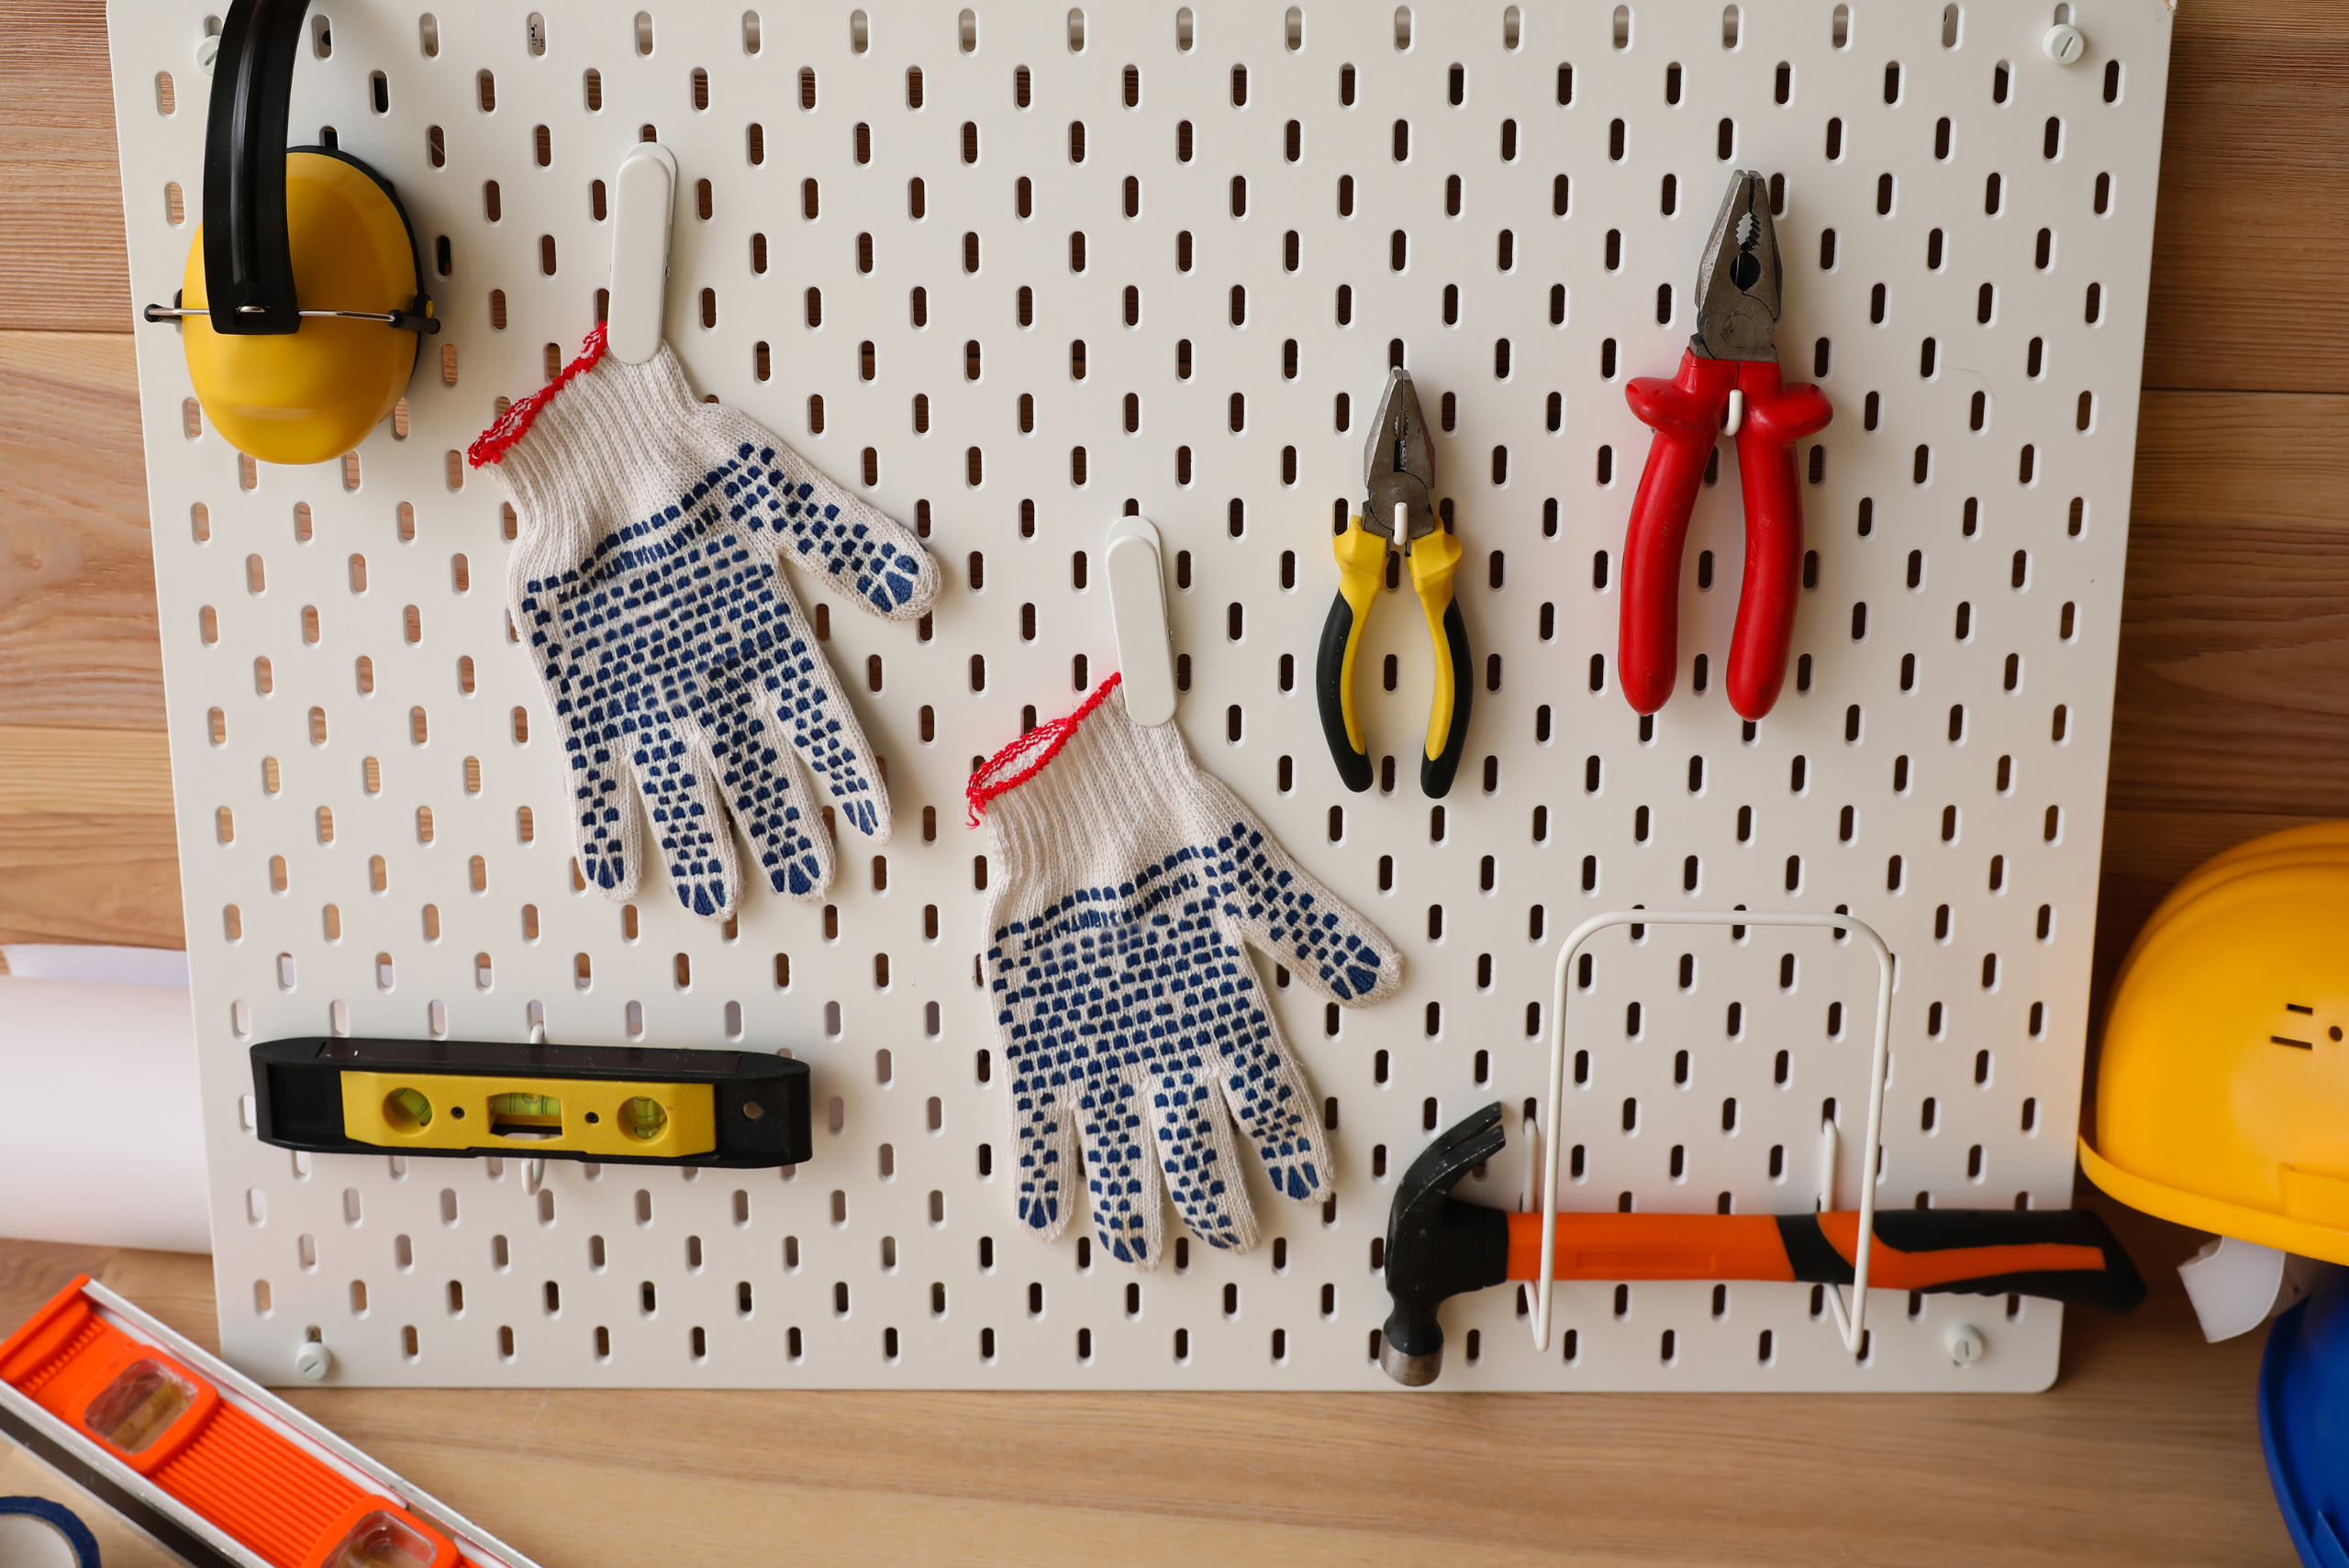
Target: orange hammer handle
[(2063, 1255), (1652, 1246)]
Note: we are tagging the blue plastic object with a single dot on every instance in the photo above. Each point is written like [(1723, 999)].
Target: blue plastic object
[(2304, 1422)]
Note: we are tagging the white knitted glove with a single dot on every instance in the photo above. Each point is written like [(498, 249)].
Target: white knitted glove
[(675, 657), (1130, 886)]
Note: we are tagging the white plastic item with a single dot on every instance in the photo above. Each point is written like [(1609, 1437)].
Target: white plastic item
[(1969, 838), (1138, 613), (166, 967), (105, 1143), (644, 202), (2235, 1286)]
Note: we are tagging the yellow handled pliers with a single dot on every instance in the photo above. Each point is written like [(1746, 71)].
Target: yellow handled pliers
[(1398, 470)]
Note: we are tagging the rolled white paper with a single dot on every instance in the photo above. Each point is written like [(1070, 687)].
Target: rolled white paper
[(104, 1143), (116, 966)]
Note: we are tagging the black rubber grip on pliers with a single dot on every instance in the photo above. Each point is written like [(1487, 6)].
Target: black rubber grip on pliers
[(1329, 693), (1436, 772)]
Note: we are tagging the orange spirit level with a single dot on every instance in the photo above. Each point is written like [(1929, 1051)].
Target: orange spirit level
[(207, 1461)]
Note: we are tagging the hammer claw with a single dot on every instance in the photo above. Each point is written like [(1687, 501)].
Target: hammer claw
[(1466, 1144)]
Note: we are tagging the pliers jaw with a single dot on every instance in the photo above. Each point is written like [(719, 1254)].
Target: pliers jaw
[(1739, 281), (1399, 467)]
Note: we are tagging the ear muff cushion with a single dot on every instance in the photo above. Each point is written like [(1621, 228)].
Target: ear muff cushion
[(313, 395)]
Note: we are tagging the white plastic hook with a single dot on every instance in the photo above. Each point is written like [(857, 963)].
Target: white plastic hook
[(1830, 1147), (1530, 1197), (1138, 612), (644, 201), (534, 1171)]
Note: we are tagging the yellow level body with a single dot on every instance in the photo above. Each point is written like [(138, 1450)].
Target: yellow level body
[(531, 1116)]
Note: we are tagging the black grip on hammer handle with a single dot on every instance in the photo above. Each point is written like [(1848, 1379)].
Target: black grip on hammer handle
[(2114, 1286)]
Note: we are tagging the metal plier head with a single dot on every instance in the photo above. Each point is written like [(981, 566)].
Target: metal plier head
[(1738, 279), (1398, 466)]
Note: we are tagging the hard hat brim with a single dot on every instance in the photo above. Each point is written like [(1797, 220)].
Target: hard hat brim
[(2216, 1215)]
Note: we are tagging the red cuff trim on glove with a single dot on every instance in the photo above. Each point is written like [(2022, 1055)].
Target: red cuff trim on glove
[(1026, 757), (515, 423)]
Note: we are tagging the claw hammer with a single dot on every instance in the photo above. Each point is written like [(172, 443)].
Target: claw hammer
[(1438, 1246)]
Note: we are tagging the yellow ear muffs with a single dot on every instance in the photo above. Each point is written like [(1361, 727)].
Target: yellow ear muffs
[(302, 307), (311, 395)]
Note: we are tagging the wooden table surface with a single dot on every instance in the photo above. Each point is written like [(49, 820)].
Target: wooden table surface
[(2234, 719)]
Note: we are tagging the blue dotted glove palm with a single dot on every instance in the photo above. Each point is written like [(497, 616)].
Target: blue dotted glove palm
[(1128, 888), (682, 672)]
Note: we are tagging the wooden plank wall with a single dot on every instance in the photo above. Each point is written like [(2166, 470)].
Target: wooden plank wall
[(2233, 709)]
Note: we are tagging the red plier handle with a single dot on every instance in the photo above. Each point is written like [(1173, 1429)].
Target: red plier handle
[(1685, 413)]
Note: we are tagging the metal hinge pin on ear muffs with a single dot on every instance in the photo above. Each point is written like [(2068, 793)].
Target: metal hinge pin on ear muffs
[(407, 321)]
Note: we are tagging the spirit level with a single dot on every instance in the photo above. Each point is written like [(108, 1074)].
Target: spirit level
[(615, 1104), (208, 1462)]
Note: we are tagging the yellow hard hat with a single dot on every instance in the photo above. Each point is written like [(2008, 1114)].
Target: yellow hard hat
[(2303, 843), (302, 306), (2244, 859), (2222, 1089)]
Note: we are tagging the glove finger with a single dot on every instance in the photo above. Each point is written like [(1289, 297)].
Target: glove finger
[(607, 826), (1266, 1092), (1123, 1187), (679, 780), (1070, 1035), (865, 555), (771, 798), (1043, 1131), (1202, 1161), (758, 652), (1284, 909), (814, 713)]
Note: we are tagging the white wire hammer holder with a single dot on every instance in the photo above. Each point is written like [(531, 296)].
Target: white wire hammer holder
[(1851, 1322)]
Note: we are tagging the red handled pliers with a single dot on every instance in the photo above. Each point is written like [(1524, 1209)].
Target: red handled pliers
[(1728, 379)]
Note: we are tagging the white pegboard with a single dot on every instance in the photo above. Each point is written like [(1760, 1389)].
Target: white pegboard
[(889, 1259)]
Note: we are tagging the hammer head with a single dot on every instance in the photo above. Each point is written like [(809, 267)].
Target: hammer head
[(1438, 1246)]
